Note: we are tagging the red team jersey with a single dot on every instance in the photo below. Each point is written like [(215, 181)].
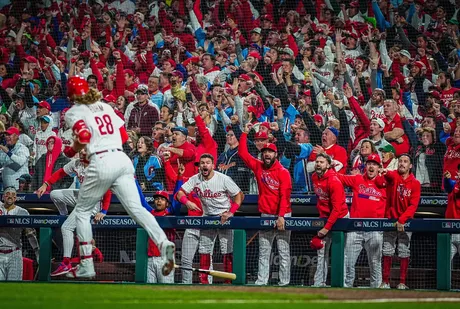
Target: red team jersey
[(403, 196), (170, 233), (274, 183), (331, 197), (337, 153), (397, 123), (452, 157), (369, 196)]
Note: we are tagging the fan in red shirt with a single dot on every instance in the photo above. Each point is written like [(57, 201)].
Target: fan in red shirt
[(453, 207), (403, 198), (394, 131), (369, 201), (331, 205), (452, 156)]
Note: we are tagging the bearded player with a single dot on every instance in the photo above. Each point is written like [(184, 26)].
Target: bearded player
[(216, 192), (68, 197), (369, 201), (331, 205), (403, 197), (97, 127)]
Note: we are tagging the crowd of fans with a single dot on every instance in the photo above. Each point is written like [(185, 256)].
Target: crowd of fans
[(349, 78)]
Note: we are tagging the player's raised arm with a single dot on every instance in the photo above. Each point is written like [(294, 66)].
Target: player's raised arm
[(181, 195)]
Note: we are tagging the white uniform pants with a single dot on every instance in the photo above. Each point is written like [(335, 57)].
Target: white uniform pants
[(455, 245), (154, 273), (372, 242), (389, 243), (323, 262), (112, 170), (11, 265), (189, 245), (208, 238), (62, 199), (283, 239)]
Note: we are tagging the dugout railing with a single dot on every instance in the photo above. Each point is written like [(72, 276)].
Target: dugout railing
[(443, 229)]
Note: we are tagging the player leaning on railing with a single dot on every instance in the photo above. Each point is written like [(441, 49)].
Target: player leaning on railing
[(10, 239)]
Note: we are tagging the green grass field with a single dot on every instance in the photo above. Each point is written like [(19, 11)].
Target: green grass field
[(111, 296)]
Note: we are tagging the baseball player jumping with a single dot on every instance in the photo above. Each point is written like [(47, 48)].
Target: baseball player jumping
[(274, 185), (331, 205), (10, 239), (369, 201), (68, 197), (216, 192), (96, 126), (403, 197)]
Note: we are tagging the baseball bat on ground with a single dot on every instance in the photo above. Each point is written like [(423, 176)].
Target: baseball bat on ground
[(214, 273)]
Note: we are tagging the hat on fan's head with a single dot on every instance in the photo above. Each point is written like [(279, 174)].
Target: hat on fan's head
[(161, 194), (180, 129)]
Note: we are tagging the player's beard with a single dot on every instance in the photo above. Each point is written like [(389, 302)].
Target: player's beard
[(320, 171), (270, 163), (205, 172)]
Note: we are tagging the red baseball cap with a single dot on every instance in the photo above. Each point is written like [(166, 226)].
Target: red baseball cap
[(316, 243), (374, 158), (162, 194), (255, 54), (244, 77), (44, 104), (318, 118), (435, 94), (252, 109), (193, 60), (129, 72), (13, 130), (31, 59), (110, 98), (265, 124), (270, 146), (261, 135)]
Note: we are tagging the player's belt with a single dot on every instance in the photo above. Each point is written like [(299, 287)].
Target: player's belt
[(9, 250), (104, 151)]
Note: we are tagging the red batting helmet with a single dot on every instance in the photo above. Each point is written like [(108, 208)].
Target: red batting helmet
[(77, 86)]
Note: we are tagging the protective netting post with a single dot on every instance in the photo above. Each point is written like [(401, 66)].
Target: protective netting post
[(141, 256), (443, 262), (337, 259), (45, 254), (239, 256)]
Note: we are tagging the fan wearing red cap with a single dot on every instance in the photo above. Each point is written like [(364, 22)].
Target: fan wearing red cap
[(41, 136), (274, 187), (331, 205), (12, 154), (98, 128), (369, 201)]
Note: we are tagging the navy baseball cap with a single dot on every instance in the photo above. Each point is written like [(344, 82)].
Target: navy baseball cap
[(180, 129)]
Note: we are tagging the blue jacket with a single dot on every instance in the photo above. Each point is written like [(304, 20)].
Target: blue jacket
[(151, 174)]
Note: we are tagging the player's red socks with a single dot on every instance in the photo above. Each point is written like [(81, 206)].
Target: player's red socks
[(228, 265), (66, 260), (404, 266), (205, 263), (386, 268)]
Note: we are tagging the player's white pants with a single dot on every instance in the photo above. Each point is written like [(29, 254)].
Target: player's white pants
[(62, 199), (389, 243), (189, 245), (11, 265), (372, 242), (154, 274), (454, 245), (112, 170), (266, 238), (208, 237), (323, 262)]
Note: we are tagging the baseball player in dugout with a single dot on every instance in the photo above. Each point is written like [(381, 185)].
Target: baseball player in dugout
[(219, 196), (331, 205), (274, 187), (452, 186), (98, 128), (403, 194), (10, 239), (369, 201)]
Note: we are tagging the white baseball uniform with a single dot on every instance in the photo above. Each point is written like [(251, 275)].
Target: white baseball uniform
[(109, 168), (215, 196), (455, 245), (11, 246), (68, 197)]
